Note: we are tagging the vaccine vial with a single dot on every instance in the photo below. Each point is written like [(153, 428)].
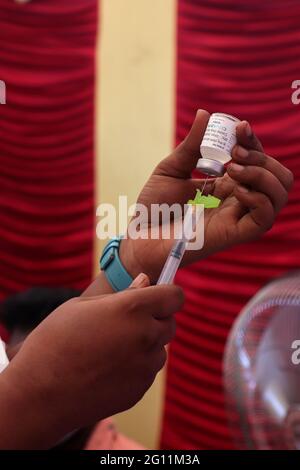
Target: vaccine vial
[(218, 142)]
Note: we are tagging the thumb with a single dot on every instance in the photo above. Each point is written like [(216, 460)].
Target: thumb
[(160, 302), (142, 280), (184, 159)]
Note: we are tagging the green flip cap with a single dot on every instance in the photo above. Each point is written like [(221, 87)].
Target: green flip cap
[(209, 202)]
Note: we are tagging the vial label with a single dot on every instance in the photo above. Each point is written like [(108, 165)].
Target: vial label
[(221, 133)]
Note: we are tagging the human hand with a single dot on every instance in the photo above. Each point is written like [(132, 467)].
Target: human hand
[(91, 358), (252, 195)]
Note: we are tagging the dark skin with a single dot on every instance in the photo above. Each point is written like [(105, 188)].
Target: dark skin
[(90, 359), (58, 380), (252, 195)]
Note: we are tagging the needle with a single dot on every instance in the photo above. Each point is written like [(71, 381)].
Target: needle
[(177, 252), (204, 185)]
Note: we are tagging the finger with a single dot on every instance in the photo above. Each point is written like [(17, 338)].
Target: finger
[(155, 333), (160, 360), (199, 184), (247, 138), (157, 301), (253, 157), (184, 158), (142, 280), (261, 180), (218, 187), (260, 217), (222, 187), (166, 330)]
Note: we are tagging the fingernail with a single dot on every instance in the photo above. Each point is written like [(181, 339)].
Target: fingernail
[(248, 129), (139, 281), (242, 152), (243, 189), (236, 167)]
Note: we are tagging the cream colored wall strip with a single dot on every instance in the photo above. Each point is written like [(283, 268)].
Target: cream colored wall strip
[(135, 127)]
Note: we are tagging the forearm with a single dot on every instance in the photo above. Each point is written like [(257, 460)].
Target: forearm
[(27, 411), (100, 286), (25, 421)]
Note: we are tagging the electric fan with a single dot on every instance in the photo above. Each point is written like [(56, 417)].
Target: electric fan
[(262, 369)]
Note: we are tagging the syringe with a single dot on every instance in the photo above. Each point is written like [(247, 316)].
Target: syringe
[(177, 252)]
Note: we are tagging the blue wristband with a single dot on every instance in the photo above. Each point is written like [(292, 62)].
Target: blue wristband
[(111, 265)]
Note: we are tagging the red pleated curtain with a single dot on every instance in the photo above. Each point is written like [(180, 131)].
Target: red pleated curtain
[(47, 59), (238, 57)]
